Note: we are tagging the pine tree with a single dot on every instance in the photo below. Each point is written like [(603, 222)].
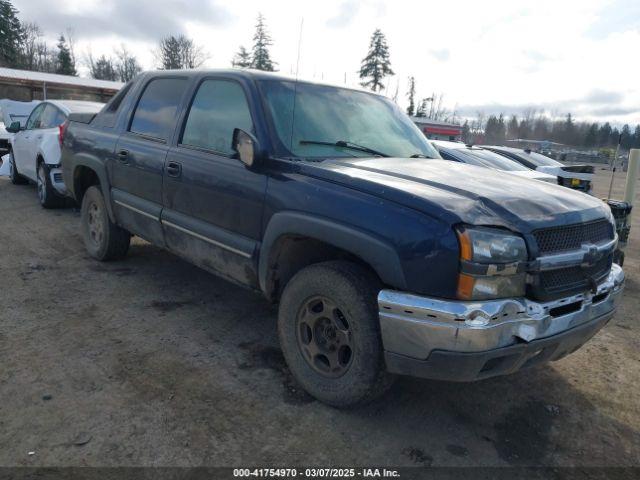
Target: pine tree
[(411, 109), (242, 59), (591, 138), (261, 59), (66, 65), (513, 129), (604, 135), (103, 68), (466, 132), (422, 108), (627, 137), (636, 138), (11, 35), (376, 65), (168, 53)]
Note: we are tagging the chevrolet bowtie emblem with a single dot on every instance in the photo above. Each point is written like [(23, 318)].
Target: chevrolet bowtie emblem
[(591, 256)]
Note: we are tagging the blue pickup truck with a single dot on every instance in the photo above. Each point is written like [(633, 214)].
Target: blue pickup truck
[(384, 258)]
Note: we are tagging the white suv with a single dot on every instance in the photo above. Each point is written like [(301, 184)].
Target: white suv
[(35, 149)]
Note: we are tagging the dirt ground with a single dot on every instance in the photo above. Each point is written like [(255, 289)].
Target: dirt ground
[(153, 362)]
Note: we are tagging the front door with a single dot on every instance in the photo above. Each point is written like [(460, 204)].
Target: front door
[(137, 166), (212, 202), (23, 148)]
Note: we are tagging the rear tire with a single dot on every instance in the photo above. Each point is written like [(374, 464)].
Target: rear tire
[(46, 193), (330, 333), (103, 239), (15, 177)]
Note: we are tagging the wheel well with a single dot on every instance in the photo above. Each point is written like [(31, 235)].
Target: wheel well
[(292, 253), (83, 178)]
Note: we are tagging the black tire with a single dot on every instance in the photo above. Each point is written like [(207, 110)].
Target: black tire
[(103, 239), (46, 193), (15, 177), (345, 376)]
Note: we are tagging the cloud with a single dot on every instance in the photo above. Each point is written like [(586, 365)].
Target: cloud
[(598, 96), (147, 20), (440, 54), (595, 104), (347, 13)]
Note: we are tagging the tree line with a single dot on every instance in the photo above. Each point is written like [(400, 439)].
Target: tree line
[(496, 129)]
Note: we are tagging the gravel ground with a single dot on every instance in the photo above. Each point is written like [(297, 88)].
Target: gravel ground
[(153, 362)]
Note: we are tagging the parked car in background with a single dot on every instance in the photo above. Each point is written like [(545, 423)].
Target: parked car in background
[(382, 262), (577, 177), (35, 147), (459, 152), (12, 111)]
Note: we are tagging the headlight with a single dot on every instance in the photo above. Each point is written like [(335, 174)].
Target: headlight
[(492, 263)]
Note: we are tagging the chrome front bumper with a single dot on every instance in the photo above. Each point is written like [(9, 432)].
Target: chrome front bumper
[(419, 328)]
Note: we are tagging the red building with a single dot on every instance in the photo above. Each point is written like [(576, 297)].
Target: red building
[(437, 130)]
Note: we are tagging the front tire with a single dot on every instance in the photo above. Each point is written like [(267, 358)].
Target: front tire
[(46, 193), (330, 333), (103, 239), (15, 177)]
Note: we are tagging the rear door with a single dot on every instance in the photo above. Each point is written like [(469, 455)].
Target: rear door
[(22, 144), (212, 202), (136, 171), (50, 121)]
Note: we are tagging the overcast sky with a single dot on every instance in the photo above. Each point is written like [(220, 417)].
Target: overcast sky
[(492, 55)]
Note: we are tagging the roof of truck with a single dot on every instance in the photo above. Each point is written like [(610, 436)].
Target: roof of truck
[(253, 75)]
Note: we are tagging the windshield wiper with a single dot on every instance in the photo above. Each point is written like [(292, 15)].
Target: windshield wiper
[(420, 155), (345, 144)]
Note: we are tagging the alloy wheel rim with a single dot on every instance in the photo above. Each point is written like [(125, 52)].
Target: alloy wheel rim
[(94, 222), (324, 337)]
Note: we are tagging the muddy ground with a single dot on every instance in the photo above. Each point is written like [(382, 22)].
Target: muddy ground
[(151, 361)]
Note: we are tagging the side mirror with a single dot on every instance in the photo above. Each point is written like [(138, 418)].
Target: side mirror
[(14, 127), (247, 147)]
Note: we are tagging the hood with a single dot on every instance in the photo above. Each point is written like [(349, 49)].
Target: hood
[(535, 175), (460, 193)]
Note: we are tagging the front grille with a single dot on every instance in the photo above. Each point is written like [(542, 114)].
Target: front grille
[(568, 281), (572, 237), (574, 279)]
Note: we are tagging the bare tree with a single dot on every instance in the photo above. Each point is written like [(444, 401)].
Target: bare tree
[(32, 39), (126, 64)]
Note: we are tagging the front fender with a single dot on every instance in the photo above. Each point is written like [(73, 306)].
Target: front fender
[(378, 254)]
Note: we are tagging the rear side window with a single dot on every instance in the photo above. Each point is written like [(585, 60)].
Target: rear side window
[(218, 108), (52, 117), (155, 114), (107, 117)]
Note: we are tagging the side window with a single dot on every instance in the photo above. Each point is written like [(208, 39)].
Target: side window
[(155, 114), (34, 118), (52, 117), (218, 107)]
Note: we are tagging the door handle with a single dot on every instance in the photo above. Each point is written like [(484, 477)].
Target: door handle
[(174, 169), (123, 156)]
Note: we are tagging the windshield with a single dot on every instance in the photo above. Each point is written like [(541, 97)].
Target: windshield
[(541, 161), (485, 158), (330, 114)]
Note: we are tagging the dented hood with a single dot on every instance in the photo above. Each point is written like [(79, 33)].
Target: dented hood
[(461, 193)]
